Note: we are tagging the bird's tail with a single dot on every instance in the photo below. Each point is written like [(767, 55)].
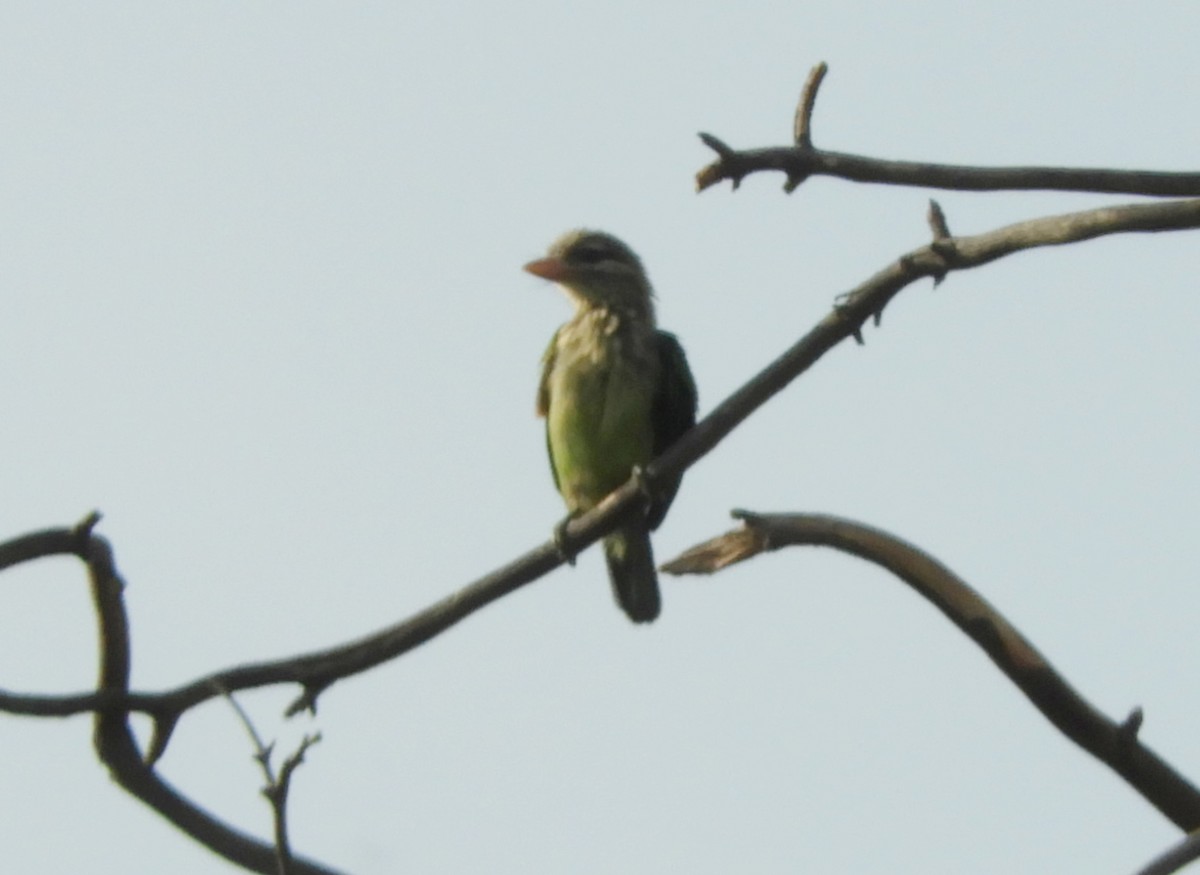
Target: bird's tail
[(631, 568)]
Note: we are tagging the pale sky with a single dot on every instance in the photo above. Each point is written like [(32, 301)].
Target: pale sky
[(261, 304)]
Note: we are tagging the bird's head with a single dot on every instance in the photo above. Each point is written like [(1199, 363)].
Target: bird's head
[(596, 270)]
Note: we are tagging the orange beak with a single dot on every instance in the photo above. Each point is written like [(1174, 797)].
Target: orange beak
[(553, 269)]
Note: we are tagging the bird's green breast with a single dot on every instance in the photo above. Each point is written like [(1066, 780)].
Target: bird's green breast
[(601, 388)]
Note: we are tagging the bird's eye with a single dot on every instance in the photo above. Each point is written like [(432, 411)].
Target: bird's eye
[(591, 254)]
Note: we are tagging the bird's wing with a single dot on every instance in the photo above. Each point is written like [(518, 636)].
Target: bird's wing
[(674, 412), (542, 405), (543, 392)]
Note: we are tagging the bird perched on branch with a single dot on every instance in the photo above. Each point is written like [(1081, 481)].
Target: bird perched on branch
[(615, 392)]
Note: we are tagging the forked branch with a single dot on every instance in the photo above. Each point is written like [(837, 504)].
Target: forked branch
[(316, 671), (113, 701), (801, 160)]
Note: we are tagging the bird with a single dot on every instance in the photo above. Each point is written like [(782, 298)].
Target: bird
[(615, 392)]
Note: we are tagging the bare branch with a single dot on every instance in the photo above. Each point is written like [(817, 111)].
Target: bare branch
[(277, 786), (728, 159), (1116, 745), (277, 793), (113, 736), (316, 671), (113, 701), (800, 164), (863, 302), (942, 244), (937, 221), (1174, 858), (801, 160), (117, 747), (802, 125)]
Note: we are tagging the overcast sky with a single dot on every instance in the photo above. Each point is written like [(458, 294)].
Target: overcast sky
[(261, 304)]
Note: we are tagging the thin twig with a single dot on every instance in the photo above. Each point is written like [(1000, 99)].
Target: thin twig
[(277, 786), (937, 221), (802, 124)]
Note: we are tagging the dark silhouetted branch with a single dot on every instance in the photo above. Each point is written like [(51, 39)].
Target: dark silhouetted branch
[(112, 701), (1174, 858), (801, 160), (278, 785), (316, 671), (1114, 744), (112, 735)]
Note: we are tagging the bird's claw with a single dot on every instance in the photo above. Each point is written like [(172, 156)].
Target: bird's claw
[(646, 487), (560, 541)]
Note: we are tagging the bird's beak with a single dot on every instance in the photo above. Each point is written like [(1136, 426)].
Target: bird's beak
[(553, 269)]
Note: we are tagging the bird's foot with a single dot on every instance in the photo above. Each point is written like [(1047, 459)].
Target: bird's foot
[(647, 487), (560, 540)]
